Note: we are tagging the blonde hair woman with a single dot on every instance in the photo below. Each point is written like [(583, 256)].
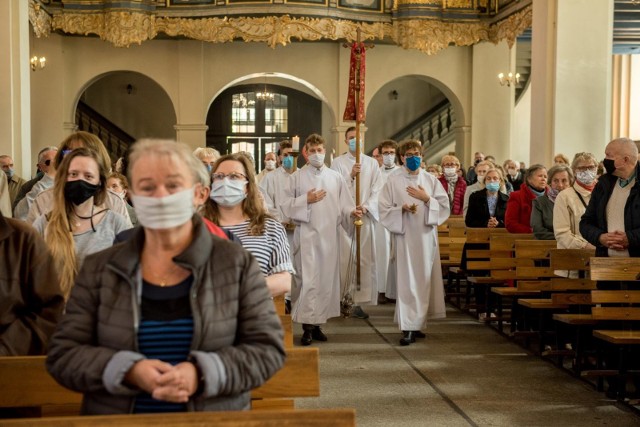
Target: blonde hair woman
[(185, 318), (236, 205), (79, 222)]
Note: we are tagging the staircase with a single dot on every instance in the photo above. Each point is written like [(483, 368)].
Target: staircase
[(523, 62), (115, 139), (434, 128)]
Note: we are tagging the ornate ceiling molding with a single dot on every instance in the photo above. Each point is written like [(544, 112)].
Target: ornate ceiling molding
[(124, 28), (510, 28), (40, 20)]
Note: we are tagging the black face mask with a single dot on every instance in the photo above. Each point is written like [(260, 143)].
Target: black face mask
[(79, 191), (477, 161), (609, 166)]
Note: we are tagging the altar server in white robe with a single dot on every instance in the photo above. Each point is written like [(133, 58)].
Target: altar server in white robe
[(412, 206), (386, 278), (319, 202), (275, 185), (370, 186)]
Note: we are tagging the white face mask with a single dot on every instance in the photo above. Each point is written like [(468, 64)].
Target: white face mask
[(481, 179), (450, 172), (316, 160), (513, 172), (228, 192), (159, 213), (586, 177), (389, 160), (121, 195), (270, 164)]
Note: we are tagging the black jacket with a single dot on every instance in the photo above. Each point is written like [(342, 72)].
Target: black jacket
[(594, 220), (478, 210)]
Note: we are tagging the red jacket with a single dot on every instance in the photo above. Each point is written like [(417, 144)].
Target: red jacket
[(517, 219), (458, 194), (214, 229)]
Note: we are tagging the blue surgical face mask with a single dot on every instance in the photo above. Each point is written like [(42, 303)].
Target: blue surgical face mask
[(492, 186), (209, 168), (352, 145), (287, 162), (413, 163), (9, 173)]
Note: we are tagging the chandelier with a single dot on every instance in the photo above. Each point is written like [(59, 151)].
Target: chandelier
[(265, 95), (509, 79)]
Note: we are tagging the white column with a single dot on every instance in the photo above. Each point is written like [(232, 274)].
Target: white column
[(15, 89), (194, 135), (492, 104), (571, 73)]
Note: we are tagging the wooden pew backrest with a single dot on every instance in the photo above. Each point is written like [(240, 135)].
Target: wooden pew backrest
[(286, 418), (613, 269)]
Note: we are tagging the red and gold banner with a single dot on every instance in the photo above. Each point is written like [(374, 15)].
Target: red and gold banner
[(356, 84)]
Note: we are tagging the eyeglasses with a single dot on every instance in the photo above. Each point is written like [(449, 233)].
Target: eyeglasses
[(450, 165), (233, 176)]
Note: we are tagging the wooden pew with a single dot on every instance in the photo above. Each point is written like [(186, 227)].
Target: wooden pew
[(283, 418), (25, 382)]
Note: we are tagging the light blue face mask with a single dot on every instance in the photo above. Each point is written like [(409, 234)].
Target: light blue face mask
[(287, 162), (209, 168), (352, 145), (492, 186), (413, 163)]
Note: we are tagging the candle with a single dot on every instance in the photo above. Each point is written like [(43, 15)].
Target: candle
[(295, 142)]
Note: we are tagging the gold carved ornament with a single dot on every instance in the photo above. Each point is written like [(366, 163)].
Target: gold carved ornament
[(426, 35), (39, 19)]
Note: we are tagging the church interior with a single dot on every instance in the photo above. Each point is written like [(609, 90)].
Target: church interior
[(516, 79)]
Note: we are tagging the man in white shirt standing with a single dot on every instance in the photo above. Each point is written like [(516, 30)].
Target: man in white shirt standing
[(370, 186), (269, 166), (385, 272), (319, 202)]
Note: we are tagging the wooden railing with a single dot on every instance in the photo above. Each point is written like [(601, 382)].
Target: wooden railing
[(115, 139)]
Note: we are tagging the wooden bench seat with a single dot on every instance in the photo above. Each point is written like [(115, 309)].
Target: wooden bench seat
[(285, 418), (25, 382), (542, 304), (618, 336), (575, 319)]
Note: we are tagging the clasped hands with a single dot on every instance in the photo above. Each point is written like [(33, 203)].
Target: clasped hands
[(616, 240), (164, 381), (417, 193)]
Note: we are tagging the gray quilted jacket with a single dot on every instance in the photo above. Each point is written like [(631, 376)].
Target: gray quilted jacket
[(237, 338)]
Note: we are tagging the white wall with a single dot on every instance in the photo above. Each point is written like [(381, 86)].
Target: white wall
[(193, 73), (522, 127)]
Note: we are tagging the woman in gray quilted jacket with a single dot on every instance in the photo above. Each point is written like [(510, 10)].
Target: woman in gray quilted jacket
[(174, 319)]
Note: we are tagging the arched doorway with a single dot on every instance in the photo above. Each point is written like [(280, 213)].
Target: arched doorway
[(123, 106), (411, 107), (256, 117)]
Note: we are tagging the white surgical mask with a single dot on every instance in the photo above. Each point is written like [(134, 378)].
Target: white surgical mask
[(316, 160), (513, 172), (450, 172), (389, 160), (159, 213), (228, 192), (121, 194), (481, 179), (586, 177), (270, 164)]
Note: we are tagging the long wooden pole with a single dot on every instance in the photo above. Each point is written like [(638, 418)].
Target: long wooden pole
[(358, 222)]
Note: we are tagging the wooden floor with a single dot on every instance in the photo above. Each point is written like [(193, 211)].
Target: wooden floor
[(462, 374)]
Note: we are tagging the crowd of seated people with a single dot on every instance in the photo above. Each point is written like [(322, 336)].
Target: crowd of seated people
[(174, 256)]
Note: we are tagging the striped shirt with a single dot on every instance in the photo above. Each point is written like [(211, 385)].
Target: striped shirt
[(165, 333), (271, 249)]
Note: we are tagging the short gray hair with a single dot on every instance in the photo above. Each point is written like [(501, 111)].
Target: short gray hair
[(583, 157), (177, 151), (202, 152), (45, 150), (559, 169)]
